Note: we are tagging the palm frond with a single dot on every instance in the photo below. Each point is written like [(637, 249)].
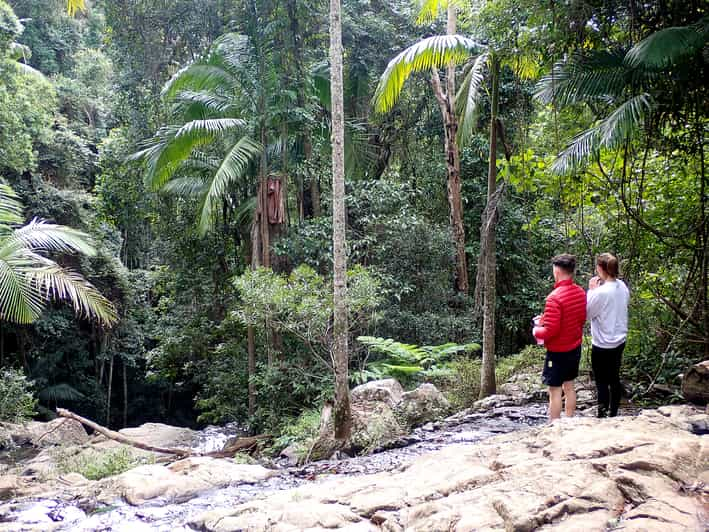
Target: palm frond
[(202, 104), (668, 47), (164, 153), (224, 67), (20, 302), (609, 133), (232, 168), (467, 98), (243, 213), (437, 51), (60, 392), (197, 77), (185, 186), (72, 6), (210, 126), (39, 235), (199, 160), (584, 77), (428, 10), (55, 282), (234, 49), (10, 206)]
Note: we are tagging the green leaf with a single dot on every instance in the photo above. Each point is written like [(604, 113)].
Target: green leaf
[(668, 47), (436, 51)]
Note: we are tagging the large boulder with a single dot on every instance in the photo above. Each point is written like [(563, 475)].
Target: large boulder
[(425, 403), (60, 431), (387, 391), (381, 413), (155, 434), (695, 384), (643, 473)]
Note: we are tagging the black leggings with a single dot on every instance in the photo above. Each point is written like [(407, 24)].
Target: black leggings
[(606, 371)]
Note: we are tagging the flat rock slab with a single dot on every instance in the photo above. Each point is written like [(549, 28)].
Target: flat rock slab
[(581, 474), (180, 481)]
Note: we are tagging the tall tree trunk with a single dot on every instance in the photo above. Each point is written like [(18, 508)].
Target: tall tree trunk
[(108, 394), (340, 355), (250, 332), (125, 394), (446, 102), (487, 238), (263, 202)]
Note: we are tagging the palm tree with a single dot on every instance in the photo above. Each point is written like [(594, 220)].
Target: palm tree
[(452, 50), (208, 148), (446, 50), (621, 88), (29, 279)]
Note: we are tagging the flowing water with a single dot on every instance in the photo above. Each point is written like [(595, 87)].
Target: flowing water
[(465, 428)]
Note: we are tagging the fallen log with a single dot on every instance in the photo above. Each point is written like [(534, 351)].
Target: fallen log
[(113, 435)]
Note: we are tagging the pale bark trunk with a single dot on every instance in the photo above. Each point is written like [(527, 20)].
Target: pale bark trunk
[(340, 356), (446, 102), (263, 201), (487, 238)]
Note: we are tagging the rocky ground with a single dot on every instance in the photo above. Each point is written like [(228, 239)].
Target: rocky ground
[(648, 472), (636, 472)]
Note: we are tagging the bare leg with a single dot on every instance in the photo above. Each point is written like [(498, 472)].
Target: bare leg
[(570, 405), (554, 402)]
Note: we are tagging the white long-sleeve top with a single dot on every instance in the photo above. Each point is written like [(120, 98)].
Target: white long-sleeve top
[(607, 308)]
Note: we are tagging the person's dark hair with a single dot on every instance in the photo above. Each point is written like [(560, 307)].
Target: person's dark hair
[(566, 262), (608, 263)]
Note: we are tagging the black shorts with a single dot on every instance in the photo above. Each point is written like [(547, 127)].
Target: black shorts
[(561, 367)]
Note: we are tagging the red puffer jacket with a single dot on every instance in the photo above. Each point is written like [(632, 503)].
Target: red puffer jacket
[(561, 326)]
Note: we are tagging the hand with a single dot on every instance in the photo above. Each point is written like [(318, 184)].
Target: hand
[(594, 282), (535, 330)]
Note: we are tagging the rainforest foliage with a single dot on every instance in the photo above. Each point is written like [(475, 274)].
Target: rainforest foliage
[(166, 195)]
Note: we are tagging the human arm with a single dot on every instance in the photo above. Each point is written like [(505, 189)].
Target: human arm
[(594, 304), (551, 324)]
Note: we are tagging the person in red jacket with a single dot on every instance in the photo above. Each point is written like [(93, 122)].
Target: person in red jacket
[(561, 330)]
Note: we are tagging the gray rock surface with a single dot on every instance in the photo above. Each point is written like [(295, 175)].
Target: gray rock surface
[(387, 391), (56, 432), (581, 474), (425, 403), (382, 413), (179, 481), (695, 383)]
